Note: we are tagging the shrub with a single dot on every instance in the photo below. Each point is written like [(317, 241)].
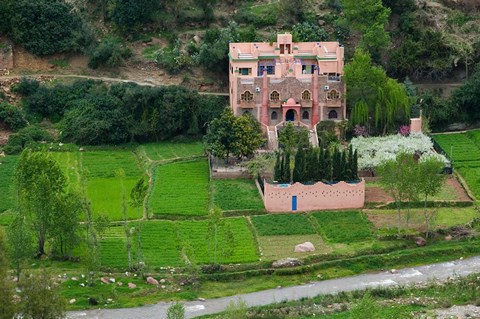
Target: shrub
[(308, 32), (109, 52), (26, 137), (26, 87), (173, 59), (12, 117)]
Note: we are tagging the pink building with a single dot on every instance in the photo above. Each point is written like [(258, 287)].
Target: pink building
[(287, 81)]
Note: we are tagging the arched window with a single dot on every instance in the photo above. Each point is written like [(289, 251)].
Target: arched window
[(305, 115), (306, 95), (274, 96), (333, 95), (332, 114), (274, 115), (246, 96), (247, 112)]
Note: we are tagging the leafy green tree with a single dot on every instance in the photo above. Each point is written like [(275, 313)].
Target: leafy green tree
[(287, 172), (220, 139), (248, 135), (213, 52), (430, 182), (467, 98), (176, 311), (110, 52), (8, 308), (41, 298), (207, 8), (46, 26), (288, 138), (277, 170), (311, 166), (336, 165), (20, 243), (328, 165), (308, 32), (129, 14), (292, 10), (40, 185)]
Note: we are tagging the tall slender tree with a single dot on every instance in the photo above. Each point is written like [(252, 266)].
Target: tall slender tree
[(287, 173), (299, 168), (277, 170), (137, 197), (328, 165)]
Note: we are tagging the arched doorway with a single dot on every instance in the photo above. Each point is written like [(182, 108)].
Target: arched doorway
[(332, 114), (290, 116)]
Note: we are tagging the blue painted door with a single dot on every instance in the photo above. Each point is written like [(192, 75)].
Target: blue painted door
[(294, 203)]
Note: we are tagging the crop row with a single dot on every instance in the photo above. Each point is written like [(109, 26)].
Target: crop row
[(7, 168), (170, 150), (459, 147), (236, 194)]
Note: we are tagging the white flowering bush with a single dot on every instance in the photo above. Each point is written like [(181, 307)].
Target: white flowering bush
[(374, 151)]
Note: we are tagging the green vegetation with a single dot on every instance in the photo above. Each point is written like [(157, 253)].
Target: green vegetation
[(344, 227), (236, 194), (172, 150), (289, 224), (180, 189), (7, 191)]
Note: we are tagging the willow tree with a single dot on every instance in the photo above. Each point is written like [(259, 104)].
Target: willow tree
[(374, 99)]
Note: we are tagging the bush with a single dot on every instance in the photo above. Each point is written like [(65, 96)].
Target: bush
[(173, 59), (109, 52), (12, 117), (308, 32), (26, 87), (26, 137)]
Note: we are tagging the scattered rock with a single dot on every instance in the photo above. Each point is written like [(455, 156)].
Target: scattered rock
[(112, 280), (109, 300), (197, 39), (162, 281), (92, 301), (287, 262), (82, 285), (104, 280), (201, 299), (420, 241), (81, 149), (393, 271), (132, 285), (74, 278), (279, 287), (120, 284), (72, 301), (163, 286), (448, 237), (152, 281), (305, 247)]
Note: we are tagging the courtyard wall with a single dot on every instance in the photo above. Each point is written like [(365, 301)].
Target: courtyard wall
[(318, 196)]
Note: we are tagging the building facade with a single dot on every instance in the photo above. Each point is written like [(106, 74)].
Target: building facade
[(287, 81)]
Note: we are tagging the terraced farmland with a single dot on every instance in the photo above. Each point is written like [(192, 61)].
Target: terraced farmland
[(180, 189), (344, 227), (287, 224), (466, 156), (236, 194), (168, 150)]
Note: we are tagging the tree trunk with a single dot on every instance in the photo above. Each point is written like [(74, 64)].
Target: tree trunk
[(427, 222), (41, 245), (407, 220), (399, 226)]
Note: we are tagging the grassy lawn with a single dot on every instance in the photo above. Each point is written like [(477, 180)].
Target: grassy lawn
[(68, 162), (278, 247), (236, 194), (287, 224), (386, 220), (7, 169), (180, 189), (170, 150), (462, 147), (344, 227)]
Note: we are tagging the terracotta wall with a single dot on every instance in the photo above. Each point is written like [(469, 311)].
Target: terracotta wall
[(320, 196)]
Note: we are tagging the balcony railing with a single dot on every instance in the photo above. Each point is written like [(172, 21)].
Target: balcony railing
[(334, 103), (306, 103)]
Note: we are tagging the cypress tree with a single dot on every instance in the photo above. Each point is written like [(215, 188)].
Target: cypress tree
[(277, 171), (299, 168), (287, 174), (311, 166), (336, 162), (350, 173), (343, 172), (355, 166), (320, 172), (328, 165)]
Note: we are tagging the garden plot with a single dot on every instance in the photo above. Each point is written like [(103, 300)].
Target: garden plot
[(171, 150), (7, 170), (386, 220), (236, 194), (198, 241), (68, 162), (344, 227), (180, 189), (287, 224), (104, 188), (459, 147), (278, 247)]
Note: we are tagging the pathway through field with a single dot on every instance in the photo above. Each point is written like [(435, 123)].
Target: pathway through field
[(415, 275)]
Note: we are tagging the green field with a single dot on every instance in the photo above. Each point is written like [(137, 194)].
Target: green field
[(164, 242), (287, 224), (180, 189), (171, 150), (465, 152), (7, 169), (236, 194), (344, 227), (68, 162)]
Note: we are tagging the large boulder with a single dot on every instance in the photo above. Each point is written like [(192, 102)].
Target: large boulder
[(287, 262), (420, 241), (305, 247), (152, 281)]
